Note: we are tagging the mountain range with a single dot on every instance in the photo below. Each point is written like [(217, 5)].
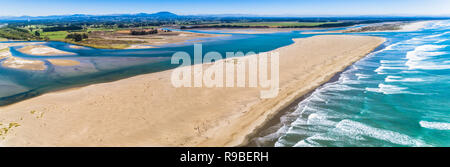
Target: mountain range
[(158, 15)]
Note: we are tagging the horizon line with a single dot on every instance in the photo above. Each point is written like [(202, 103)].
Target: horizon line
[(244, 14)]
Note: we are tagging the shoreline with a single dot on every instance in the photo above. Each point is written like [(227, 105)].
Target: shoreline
[(404, 27), (136, 112), (289, 103), (275, 120)]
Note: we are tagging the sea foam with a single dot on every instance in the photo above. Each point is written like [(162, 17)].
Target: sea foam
[(401, 79), (353, 128), (417, 57), (435, 125), (388, 89)]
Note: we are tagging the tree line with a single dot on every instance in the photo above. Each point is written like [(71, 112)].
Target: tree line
[(77, 37), (144, 32)]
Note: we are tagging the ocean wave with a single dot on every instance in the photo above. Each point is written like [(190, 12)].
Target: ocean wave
[(442, 40), (401, 79), (435, 125), (388, 89), (348, 80), (382, 68), (437, 35), (362, 76), (391, 61), (419, 54), (430, 47), (440, 24), (318, 98), (357, 129), (390, 47), (311, 141), (427, 65), (319, 119)]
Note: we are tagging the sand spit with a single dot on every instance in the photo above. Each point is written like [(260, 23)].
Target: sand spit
[(41, 50)]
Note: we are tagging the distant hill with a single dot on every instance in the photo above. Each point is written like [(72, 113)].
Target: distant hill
[(158, 15), (164, 14)]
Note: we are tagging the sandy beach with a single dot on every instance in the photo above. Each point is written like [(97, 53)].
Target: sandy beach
[(146, 110), (41, 50)]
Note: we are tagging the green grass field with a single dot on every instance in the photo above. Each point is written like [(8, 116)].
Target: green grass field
[(56, 35), (102, 29)]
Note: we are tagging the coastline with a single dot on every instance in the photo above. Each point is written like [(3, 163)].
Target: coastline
[(403, 27), (107, 120), (275, 119), (296, 94)]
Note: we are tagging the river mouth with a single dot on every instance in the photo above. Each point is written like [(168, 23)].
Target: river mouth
[(393, 97), (104, 65)]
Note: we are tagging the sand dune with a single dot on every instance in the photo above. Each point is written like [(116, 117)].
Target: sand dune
[(146, 110)]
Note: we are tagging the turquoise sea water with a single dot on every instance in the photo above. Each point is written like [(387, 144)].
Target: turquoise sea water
[(396, 96)]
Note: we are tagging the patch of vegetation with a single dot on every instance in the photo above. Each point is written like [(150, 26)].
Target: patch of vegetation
[(17, 33), (62, 28), (4, 50), (55, 35), (144, 32), (383, 27), (77, 37), (105, 44), (4, 130)]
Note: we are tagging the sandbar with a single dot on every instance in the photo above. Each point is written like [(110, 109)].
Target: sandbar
[(63, 62), (41, 50), (24, 64)]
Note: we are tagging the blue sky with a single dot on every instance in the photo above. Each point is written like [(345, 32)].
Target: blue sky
[(261, 7)]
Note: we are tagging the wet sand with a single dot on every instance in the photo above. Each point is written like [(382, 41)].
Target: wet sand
[(19, 63), (31, 64), (41, 50), (63, 62), (24, 64)]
